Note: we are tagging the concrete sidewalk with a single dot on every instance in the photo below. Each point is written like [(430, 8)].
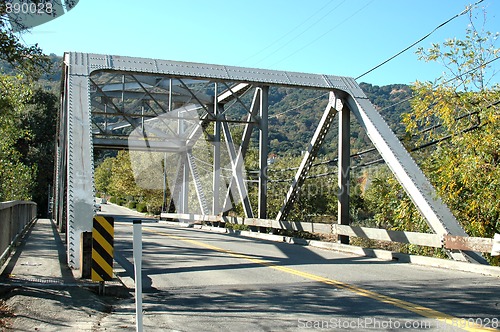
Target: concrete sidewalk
[(41, 291)]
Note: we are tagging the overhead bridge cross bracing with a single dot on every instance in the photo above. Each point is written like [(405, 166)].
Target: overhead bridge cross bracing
[(138, 104)]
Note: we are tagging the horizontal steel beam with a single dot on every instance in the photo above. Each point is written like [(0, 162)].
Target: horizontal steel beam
[(138, 145), (87, 63)]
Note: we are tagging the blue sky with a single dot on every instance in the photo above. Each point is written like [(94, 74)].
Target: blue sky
[(337, 37)]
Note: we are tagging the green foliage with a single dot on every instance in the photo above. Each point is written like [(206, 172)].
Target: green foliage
[(28, 60), (466, 59), (141, 207), (16, 177), (122, 179), (39, 119), (465, 168), (27, 119), (390, 205), (114, 176), (461, 117), (102, 176), (237, 227)]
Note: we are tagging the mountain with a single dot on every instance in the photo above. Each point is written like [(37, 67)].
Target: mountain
[(295, 113)]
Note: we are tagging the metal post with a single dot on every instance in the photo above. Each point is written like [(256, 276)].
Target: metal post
[(170, 95), (309, 156), (49, 199), (184, 189), (106, 118), (142, 117), (216, 142), (102, 288), (164, 203), (184, 194), (263, 151), (137, 248), (80, 168), (343, 171)]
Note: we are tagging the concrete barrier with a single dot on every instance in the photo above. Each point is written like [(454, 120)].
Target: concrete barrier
[(15, 216)]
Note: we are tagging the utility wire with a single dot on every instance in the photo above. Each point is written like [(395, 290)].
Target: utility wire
[(300, 34), (444, 83), (288, 33), (324, 34), (299, 106), (425, 145), (380, 160), (394, 56), (466, 10)]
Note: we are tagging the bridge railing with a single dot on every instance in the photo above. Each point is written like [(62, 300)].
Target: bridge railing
[(15, 216), (451, 242)]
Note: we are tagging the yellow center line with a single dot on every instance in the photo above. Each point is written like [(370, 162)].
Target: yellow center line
[(415, 308)]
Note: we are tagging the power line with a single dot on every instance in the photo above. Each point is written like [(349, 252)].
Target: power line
[(425, 145), (288, 33), (466, 10), (380, 160), (456, 77), (296, 107), (304, 31), (324, 34)]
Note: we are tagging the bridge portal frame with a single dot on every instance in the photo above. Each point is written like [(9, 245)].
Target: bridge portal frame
[(74, 197)]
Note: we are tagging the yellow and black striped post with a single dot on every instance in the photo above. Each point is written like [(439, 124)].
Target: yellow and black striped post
[(102, 248)]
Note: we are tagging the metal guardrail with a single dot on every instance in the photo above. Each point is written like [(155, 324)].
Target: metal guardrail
[(15, 216), (423, 239)]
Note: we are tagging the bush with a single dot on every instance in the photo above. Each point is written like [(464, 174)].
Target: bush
[(141, 207), (155, 210), (237, 227), (112, 199), (132, 204)]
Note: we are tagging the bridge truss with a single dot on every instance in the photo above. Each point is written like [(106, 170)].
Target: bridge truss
[(164, 107)]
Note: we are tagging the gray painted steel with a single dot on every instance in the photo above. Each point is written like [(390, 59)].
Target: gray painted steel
[(74, 205), (409, 175), (311, 153), (344, 168), (263, 151)]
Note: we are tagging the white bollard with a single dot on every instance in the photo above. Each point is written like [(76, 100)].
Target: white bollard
[(137, 248), (495, 249)]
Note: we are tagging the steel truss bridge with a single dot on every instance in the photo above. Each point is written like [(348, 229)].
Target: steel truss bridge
[(161, 107)]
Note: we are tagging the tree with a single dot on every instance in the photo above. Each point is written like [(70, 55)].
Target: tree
[(467, 61), (459, 117), (16, 178), (27, 127), (28, 60), (102, 175), (38, 118), (465, 165), (27, 120), (115, 176), (122, 182)]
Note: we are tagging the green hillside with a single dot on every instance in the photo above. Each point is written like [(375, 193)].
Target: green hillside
[(295, 113)]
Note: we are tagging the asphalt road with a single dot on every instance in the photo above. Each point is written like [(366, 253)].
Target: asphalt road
[(122, 214), (195, 280)]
